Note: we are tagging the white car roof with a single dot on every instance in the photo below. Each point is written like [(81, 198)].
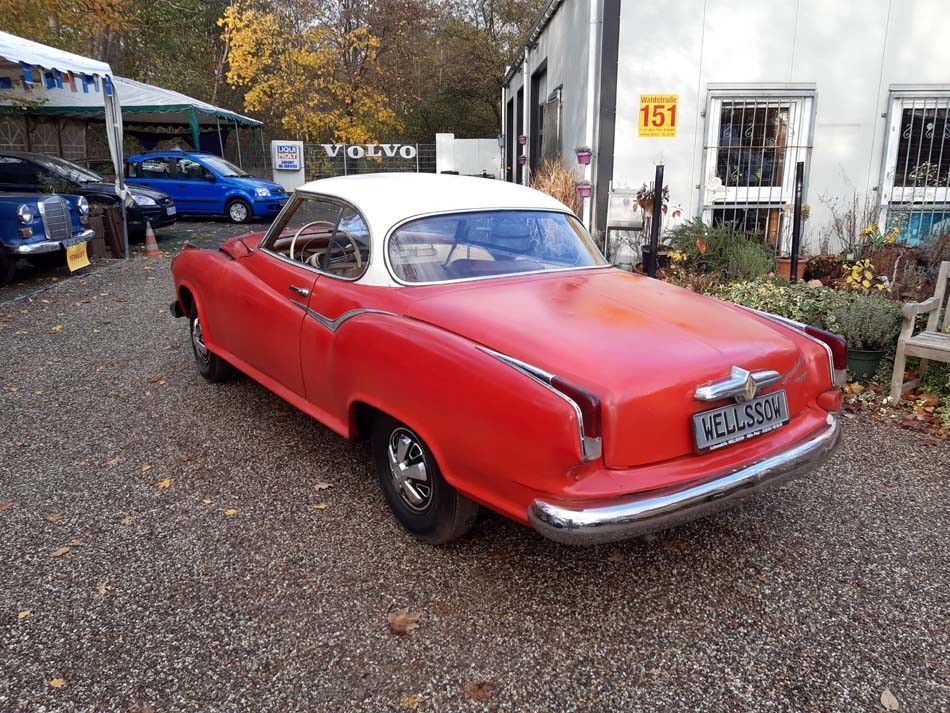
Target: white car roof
[(386, 199)]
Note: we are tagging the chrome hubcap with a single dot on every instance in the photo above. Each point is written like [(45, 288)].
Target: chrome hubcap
[(238, 212), (408, 467), (201, 350)]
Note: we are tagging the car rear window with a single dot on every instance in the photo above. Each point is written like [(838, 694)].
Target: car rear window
[(461, 246)]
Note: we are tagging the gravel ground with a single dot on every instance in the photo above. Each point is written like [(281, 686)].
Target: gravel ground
[(814, 598)]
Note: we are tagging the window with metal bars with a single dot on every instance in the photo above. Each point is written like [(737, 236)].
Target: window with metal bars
[(915, 182), (753, 142)]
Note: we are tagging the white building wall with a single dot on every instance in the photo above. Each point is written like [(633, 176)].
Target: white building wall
[(850, 50), (564, 45)]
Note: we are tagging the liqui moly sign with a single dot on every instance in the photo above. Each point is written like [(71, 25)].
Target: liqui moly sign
[(357, 151)]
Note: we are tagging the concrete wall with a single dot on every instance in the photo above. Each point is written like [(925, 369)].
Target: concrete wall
[(564, 45), (850, 50)]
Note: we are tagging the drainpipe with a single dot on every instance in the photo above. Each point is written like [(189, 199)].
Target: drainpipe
[(589, 128), (504, 128), (526, 170)]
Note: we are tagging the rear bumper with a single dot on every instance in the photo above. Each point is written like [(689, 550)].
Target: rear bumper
[(51, 246), (647, 512)]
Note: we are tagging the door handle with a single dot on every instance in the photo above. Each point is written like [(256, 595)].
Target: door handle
[(300, 290)]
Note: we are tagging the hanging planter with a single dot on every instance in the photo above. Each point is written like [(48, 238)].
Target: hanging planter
[(584, 189), (583, 155), (522, 139), (522, 160)]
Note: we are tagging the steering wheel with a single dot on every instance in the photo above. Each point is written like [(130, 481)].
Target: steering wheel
[(353, 244), (293, 242)]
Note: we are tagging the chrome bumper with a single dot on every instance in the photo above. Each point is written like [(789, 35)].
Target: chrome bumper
[(51, 246), (647, 512)]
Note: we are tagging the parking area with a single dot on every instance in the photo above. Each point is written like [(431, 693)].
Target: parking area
[(165, 547)]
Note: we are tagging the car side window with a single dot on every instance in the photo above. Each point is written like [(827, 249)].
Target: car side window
[(15, 170), (323, 234), (150, 168), (189, 170)]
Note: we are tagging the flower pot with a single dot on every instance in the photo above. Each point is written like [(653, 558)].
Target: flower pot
[(863, 363), (583, 157), (783, 267), (522, 139), (522, 160), (584, 191)]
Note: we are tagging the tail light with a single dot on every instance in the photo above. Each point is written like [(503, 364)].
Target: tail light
[(585, 403), (839, 352)]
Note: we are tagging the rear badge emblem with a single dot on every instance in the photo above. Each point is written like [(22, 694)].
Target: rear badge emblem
[(741, 385)]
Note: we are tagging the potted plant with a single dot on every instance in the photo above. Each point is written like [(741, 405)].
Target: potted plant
[(584, 154), (783, 266), (522, 139), (584, 189), (871, 325), (522, 160)]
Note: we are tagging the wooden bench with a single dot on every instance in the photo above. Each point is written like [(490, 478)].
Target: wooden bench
[(931, 344)]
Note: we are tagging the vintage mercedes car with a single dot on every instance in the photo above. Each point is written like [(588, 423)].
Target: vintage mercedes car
[(471, 329)]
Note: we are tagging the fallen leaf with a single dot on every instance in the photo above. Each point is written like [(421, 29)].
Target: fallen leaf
[(61, 551), (12, 389), (164, 484), (55, 517), (104, 588), (57, 682), (112, 461), (100, 369), (75, 542), (206, 501), (410, 702), (56, 329), (403, 621), (889, 701), (323, 486), (157, 380), (146, 468), (6, 504), (231, 512), (318, 506), (127, 520), (24, 614), (615, 557), (480, 691)]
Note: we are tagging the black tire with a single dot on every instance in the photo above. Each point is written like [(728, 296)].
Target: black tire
[(210, 365), (48, 261), (443, 514), (7, 267), (233, 211)]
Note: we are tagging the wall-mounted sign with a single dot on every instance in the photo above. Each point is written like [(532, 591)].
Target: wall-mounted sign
[(357, 151), (287, 157), (657, 116)]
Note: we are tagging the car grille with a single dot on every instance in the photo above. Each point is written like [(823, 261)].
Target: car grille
[(56, 219)]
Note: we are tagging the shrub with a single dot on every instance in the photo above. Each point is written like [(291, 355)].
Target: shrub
[(555, 179), (809, 305), (722, 249), (868, 323)]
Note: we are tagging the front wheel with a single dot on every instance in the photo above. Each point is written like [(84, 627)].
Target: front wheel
[(420, 498), (7, 267), (239, 211), (210, 365)]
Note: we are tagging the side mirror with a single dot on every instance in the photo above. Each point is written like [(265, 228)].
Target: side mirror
[(210, 178)]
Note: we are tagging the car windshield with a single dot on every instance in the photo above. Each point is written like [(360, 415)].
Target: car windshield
[(68, 169), (225, 168), (461, 246)]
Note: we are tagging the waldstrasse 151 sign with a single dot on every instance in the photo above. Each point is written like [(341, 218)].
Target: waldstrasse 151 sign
[(657, 117)]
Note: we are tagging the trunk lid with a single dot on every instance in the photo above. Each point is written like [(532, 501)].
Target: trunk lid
[(641, 345)]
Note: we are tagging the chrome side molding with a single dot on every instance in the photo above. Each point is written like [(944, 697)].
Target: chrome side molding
[(741, 385)]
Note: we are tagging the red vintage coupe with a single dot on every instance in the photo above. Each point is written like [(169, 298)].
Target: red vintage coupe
[(471, 329)]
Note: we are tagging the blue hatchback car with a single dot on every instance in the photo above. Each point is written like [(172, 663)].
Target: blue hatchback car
[(205, 184)]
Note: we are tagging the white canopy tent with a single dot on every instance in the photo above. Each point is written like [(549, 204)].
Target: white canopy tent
[(32, 74)]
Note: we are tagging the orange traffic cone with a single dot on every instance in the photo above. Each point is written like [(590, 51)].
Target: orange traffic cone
[(151, 244)]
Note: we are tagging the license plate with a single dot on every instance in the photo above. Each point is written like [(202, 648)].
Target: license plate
[(730, 424), (171, 210), (76, 257)]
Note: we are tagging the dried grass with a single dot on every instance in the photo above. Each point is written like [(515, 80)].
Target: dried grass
[(559, 182)]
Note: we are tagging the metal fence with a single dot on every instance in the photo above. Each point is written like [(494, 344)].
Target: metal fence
[(319, 163)]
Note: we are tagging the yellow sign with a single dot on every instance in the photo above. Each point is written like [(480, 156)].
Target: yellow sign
[(657, 116), (76, 257)]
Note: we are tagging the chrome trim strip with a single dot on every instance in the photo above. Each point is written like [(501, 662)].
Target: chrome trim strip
[(642, 513), (51, 246), (737, 385), (334, 324), (591, 448), (836, 376)]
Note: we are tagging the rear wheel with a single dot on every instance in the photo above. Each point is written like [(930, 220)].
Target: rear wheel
[(210, 365), (239, 211), (420, 498)]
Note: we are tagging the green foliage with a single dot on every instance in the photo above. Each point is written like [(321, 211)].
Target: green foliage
[(867, 322), (722, 249)]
